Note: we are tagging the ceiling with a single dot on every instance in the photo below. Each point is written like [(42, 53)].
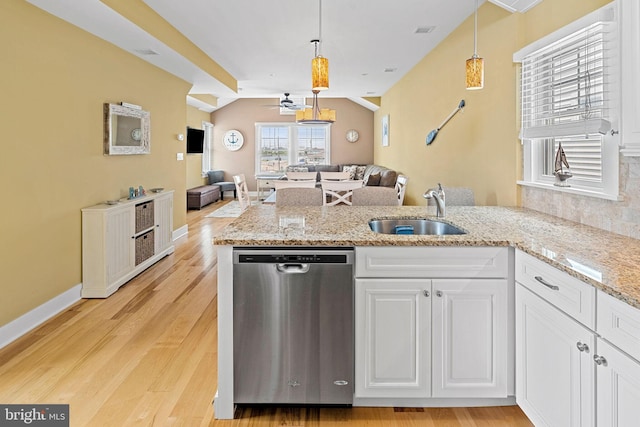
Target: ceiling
[(266, 44)]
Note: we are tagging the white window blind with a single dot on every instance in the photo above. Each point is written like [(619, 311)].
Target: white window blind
[(566, 88), (569, 94), (585, 153)]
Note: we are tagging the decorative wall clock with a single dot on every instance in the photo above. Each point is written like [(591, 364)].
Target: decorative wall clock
[(352, 135), (233, 140)]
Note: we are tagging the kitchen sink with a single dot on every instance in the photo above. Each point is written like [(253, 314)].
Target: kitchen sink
[(414, 226)]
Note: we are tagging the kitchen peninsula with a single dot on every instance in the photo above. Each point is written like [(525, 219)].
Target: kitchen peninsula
[(601, 263)]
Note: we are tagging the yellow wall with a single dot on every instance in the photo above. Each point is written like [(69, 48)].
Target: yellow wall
[(244, 113), (479, 147), (195, 118), (54, 80)]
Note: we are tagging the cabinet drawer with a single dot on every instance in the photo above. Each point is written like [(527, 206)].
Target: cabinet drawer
[(569, 294), (619, 323), (432, 262)]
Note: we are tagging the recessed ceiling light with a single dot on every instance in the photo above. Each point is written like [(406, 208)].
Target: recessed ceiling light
[(146, 51), (371, 93), (390, 70), (425, 30)]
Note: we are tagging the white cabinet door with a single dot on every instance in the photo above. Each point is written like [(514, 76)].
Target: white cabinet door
[(554, 378), (393, 342), (618, 377), (120, 246), (163, 212), (469, 333)]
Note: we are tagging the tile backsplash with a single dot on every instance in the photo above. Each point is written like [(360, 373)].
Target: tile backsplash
[(621, 217)]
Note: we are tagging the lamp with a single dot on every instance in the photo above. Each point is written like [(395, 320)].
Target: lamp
[(319, 64), (475, 65), (315, 115), (319, 70)]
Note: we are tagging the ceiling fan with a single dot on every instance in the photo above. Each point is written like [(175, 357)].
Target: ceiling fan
[(288, 104)]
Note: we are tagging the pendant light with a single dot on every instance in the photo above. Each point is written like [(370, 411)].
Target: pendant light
[(319, 64), (475, 65), (319, 82), (315, 115)]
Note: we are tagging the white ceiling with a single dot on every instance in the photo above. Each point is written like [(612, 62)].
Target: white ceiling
[(265, 44)]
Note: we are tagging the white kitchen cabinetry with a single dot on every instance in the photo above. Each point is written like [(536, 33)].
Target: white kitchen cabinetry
[(555, 344), (630, 70), (618, 369), (618, 395), (120, 241), (419, 335), (393, 338), (554, 366), (469, 338)]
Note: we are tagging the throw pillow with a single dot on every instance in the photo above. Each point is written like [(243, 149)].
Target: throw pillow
[(373, 180), (360, 172), (351, 170), (299, 169)]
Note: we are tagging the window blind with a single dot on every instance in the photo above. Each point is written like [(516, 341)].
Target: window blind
[(584, 152), (566, 85)]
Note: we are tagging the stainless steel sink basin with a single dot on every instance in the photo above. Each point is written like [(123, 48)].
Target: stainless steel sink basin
[(414, 226)]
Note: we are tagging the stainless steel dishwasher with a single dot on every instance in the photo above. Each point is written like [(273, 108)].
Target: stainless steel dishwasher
[(293, 326)]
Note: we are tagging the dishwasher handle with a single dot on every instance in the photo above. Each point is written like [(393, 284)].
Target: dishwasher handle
[(292, 268)]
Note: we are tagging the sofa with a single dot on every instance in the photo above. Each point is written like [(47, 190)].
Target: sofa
[(372, 175)]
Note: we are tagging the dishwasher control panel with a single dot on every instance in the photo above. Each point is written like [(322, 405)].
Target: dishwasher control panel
[(293, 258)]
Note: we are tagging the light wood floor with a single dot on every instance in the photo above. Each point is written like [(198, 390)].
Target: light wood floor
[(147, 356)]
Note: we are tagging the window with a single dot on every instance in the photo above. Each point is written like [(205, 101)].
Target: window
[(282, 144), (207, 151), (568, 94)]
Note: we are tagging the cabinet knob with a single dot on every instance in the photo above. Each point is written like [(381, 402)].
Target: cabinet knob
[(582, 346), (426, 293), (439, 293), (600, 360)]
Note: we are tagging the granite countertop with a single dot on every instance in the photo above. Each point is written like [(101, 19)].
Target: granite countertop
[(606, 260)]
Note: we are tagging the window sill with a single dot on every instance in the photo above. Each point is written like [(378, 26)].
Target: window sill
[(571, 190)]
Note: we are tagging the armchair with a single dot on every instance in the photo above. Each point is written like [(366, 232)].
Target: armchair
[(217, 178)]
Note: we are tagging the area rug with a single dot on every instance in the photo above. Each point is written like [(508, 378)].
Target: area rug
[(230, 210)]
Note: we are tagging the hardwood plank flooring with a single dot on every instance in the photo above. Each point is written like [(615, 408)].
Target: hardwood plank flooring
[(147, 356)]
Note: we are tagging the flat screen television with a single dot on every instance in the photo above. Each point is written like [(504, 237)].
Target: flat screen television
[(195, 140)]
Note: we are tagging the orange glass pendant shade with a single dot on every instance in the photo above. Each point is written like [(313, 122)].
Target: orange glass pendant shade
[(475, 73), (319, 73)]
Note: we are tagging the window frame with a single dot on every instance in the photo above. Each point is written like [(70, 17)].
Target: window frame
[(207, 151), (292, 133), (534, 147)]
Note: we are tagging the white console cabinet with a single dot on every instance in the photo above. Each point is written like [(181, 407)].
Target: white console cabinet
[(120, 241), (431, 323)]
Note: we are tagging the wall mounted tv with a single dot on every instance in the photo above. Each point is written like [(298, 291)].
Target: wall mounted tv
[(195, 140)]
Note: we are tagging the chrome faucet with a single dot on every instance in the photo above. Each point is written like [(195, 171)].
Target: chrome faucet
[(437, 194)]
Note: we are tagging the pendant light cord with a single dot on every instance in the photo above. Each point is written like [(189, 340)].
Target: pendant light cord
[(475, 32), (320, 27)]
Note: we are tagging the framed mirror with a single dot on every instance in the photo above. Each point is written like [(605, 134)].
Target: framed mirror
[(126, 130)]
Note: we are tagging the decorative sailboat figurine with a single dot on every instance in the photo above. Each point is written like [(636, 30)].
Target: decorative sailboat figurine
[(560, 172)]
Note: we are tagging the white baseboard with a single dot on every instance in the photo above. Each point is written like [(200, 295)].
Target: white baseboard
[(23, 324), (180, 232)]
